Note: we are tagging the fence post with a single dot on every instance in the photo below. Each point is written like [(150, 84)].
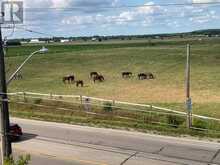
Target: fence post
[(188, 83), (24, 96), (87, 105), (81, 99), (51, 96), (113, 102), (113, 105)]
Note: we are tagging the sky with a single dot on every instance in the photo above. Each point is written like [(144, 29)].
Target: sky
[(106, 17)]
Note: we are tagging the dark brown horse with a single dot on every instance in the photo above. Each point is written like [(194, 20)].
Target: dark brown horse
[(99, 78), (126, 74), (93, 74), (69, 79), (79, 83), (142, 76)]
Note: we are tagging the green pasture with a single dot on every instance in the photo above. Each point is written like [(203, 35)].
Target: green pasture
[(165, 59)]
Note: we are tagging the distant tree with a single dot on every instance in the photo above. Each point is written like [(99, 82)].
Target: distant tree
[(13, 43), (57, 39), (181, 35), (100, 39)]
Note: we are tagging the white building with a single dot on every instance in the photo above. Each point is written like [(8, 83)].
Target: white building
[(36, 41), (94, 39), (64, 40)]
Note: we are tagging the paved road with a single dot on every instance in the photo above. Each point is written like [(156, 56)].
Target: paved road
[(55, 143)]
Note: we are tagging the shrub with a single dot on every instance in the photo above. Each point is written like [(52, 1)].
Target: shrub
[(37, 101), (200, 124), (108, 107), (174, 120), (22, 160)]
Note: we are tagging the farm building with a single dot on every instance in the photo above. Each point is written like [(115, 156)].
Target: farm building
[(64, 40), (36, 41)]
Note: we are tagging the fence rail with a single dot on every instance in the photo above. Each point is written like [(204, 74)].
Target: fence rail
[(125, 110), (59, 97)]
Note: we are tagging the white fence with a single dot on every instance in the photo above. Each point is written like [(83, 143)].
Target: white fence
[(100, 102)]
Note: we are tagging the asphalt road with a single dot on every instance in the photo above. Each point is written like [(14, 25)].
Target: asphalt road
[(54, 143)]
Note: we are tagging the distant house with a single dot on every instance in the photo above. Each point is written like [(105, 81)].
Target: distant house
[(94, 39), (24, 42), (64, 40), (36, 41)]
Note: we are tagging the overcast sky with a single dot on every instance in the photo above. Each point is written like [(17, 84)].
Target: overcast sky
[(102, 17)]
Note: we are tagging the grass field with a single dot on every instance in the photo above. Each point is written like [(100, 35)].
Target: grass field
[(166, 59)]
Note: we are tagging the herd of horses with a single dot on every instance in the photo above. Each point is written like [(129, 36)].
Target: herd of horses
[(93, 75), (141, 76), (96, 77)]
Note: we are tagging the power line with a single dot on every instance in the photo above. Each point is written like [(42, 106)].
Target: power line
[(33, 31)]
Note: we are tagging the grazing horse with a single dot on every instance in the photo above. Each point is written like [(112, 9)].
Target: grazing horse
[(69, 79), (93, 74), (150, 75), (99, 78), (126, 74), (142, 76), (79, 83)]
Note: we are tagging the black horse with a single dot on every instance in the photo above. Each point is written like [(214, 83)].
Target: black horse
[(126, 74), (79, 83), (93, 74), (99, 78), (69, 79)]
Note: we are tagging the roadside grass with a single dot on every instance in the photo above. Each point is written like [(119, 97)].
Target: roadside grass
[(205, 109), (90, 121), (108, 117)]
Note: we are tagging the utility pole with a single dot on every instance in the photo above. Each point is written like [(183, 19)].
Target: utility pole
[(188, 97), (4, 113)]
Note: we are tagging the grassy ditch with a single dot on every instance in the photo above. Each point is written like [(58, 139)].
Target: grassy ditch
[(110, 117)]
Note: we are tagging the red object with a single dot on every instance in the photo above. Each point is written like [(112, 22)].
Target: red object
[(15, 132)]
